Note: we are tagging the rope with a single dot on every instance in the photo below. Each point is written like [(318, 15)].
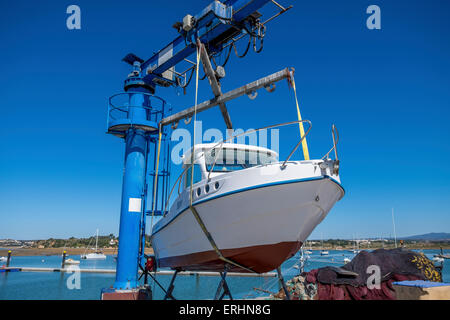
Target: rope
[(300, 125)]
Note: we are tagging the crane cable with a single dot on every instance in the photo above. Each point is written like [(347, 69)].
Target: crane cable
[(156, 175), (300, 124)]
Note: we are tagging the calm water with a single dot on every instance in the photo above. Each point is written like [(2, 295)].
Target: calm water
[(53, 285)]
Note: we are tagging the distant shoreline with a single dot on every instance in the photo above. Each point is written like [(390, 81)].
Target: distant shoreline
[(24, 252)]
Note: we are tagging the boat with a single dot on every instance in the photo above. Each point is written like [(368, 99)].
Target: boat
[(248, 215), (356, 251), (301, 261), (323, 252), (3, 259), (355, 247), (438, 259), (71, 261), (309, 251), (442, 255), (96, 255), (346, 260)]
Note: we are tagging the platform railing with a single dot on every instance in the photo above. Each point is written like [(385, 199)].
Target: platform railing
[(116, 111)]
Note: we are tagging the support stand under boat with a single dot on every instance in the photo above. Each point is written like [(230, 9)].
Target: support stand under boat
[(283, 284), (223, 285), (171, 286), (150, 267)]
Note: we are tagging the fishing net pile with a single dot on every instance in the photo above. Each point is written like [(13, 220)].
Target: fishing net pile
[(357, 279)]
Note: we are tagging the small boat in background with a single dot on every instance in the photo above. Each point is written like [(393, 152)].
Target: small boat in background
[(442, 255), (355, 247), (309, 251), (346, 260), (3, 259), (71, 261), (323, 252), (96, 255)]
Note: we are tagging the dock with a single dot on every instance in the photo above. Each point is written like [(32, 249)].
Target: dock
[(160, 272)]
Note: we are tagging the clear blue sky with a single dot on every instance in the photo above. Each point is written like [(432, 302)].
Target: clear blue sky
[(387, 91)]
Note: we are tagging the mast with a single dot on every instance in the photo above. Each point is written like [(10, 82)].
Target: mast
[(96, 242), (322, 242), (393, 222)]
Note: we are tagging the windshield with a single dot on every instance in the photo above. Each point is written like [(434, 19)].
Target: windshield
[(237, 159)]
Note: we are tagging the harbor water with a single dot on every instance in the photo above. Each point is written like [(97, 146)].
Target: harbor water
[(54, 285)]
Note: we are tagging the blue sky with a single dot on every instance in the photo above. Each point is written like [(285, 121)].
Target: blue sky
[(386, 90)]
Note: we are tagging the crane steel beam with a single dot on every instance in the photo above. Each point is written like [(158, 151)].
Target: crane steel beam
[(230, 95), (212, 22), (215, 85)]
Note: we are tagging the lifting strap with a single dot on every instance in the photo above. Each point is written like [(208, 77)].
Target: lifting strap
[(302, 130), (191, 206)]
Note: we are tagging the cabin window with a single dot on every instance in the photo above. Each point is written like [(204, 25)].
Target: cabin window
[(197, 175), (235, 159)]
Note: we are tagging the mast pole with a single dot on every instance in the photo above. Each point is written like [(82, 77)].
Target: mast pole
[(96, 242), (393, 222)]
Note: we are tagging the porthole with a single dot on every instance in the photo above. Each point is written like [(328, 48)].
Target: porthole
[(199, 192), (207, 188), (216, 185)]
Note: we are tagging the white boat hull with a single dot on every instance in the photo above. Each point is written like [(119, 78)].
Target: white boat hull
[(256, 225)]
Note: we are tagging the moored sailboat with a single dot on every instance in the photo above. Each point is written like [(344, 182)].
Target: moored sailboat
[(96, 255)]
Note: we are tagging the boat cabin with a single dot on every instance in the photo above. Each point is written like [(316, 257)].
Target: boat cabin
[(220, 159)]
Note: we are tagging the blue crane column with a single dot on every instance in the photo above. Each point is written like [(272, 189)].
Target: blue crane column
[(135, 129)]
